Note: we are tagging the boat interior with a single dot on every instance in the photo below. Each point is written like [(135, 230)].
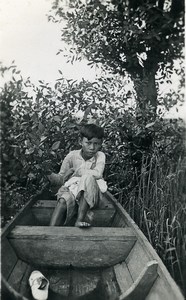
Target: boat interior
[(106, 261)]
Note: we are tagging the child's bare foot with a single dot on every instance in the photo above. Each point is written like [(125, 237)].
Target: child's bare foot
[(81, 224)]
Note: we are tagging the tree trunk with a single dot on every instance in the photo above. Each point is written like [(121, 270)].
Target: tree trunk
[(146, 92)]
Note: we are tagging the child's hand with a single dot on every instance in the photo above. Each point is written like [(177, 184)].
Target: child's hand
[(52, 177), (68, 174), (55, 179)]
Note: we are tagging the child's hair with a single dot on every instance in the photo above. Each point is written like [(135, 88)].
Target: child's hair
[(91, 131)]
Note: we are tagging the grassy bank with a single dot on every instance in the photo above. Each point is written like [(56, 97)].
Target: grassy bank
[(157, 203)]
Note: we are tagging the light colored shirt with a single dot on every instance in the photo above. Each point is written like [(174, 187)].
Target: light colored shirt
[(93, 166), (74, 160)]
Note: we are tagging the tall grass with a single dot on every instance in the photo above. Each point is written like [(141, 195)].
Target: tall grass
[(157, 203)]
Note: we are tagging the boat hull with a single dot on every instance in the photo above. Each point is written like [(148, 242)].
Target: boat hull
[(112, 260)]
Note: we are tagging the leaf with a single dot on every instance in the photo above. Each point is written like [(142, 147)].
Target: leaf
[(29, 151), (40, 153), (53, 153), (41, 127), (55, 146), (5, 156), (149, 125), (34, 117), (170, 249), (43, 138), (57, 118), (31, 176)]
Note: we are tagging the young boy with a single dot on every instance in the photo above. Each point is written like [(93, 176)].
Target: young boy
[(81, 176)]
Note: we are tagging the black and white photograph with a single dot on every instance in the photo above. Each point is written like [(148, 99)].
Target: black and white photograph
[(93, 149)]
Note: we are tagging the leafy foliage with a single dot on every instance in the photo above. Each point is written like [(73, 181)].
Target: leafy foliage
[(140, 37), (38, 128)]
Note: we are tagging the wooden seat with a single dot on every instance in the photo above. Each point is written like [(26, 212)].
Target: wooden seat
[(71, 246), (142, 285), (42, 212)]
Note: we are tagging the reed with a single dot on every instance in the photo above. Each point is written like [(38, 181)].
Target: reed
[(157, 204)]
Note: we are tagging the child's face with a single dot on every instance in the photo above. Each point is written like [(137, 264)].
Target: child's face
[(90, 147)]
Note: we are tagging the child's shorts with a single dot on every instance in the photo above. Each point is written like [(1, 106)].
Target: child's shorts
[(86, 184)]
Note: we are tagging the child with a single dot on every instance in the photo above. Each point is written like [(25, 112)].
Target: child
[(81, 176)]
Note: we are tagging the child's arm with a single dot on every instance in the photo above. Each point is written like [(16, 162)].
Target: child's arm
[(65, 172)]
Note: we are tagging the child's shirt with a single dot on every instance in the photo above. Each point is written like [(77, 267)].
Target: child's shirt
[(93, 166)]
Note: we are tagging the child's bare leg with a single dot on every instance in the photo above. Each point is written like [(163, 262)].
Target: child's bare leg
[(82, 211), (59, 213), (87, 199)]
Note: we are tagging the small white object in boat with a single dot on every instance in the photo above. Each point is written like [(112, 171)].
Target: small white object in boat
[(39, 285)]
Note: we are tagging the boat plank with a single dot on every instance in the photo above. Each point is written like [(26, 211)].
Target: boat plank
[(118, 221), (104, 203), (160, 291), (109, 283), (45, 204), (17, 274), (123, 276), (87, 254), (136, 260), (42, 215), (141, 287), (7, 265), (28, 219), (99, 217), (121, 223), (95, 247), (83, 283), (21, 214), (9, 293), (59, 281), (51, 232), (24, 288)]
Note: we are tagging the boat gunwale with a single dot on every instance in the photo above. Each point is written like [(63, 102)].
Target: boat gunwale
[(10, 225), (5, 286)]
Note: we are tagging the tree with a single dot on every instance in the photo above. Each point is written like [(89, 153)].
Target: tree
[(141, 37)]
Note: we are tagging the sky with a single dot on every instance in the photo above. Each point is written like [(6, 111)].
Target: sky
[(32, 42), (27, 37)]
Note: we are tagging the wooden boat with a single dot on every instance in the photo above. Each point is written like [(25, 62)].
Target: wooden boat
[(112, 260)]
